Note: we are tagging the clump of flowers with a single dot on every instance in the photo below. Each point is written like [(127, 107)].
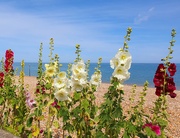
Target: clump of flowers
[(121, 63), (164, 82), (163, 79), (62, 87), (79, 76), (9, 60)]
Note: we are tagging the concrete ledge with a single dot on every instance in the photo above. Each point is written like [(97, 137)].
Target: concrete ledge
[(5, 134)]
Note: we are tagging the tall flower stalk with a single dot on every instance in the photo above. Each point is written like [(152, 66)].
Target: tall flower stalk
[(111, 113), (164, 83)]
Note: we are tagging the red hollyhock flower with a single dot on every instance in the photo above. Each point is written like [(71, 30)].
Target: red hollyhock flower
[(159, 91), (40, 88), (158, 80), (172, 94), (163, 83), (55, 104), (170, 85), (154, 128), (1, 79), (160, 69), (172, 69), (9, 60)]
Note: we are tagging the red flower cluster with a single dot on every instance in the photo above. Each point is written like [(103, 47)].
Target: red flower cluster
[(164, 82), (154, 128), (55, 104), (1, 79), (9, 60), (40, 88)]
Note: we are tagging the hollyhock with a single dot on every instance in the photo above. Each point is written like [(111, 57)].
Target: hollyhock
[(154, 128), (61, 95), (114, 62), (1, 79), (30, 102), (170, 85), (54, 104), (50, 70), (40, 88), (123, 57), (62, 75), (59, 83), (121, 73), (163, 83), (9, 60), (172, 69), (96, 79), (172, 94), (76, 86)]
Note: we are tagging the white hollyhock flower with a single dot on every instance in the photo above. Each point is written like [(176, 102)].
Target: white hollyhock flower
[(78, 67), (121, 73), (96, 79), (124, 58), (76, 86), (81, 77), (61, 95), (59, 83), (114, 62)]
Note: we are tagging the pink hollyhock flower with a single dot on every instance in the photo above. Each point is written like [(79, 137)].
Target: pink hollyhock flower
[(154, 128), (172, 69), (30, 102)]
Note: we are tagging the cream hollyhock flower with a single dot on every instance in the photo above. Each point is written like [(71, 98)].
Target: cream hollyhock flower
[(62, 75), (121, 73), (61, 95), (96, 79), (50, 70)]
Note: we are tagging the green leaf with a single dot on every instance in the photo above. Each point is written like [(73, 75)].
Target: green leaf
[(29, 122), (1, 100), (20, 128), (85, 104), (77, 96), (162, 122)]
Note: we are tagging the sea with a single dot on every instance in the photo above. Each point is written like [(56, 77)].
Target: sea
[(140, 72)]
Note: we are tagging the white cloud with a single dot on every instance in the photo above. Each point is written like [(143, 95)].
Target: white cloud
[(144, 16)]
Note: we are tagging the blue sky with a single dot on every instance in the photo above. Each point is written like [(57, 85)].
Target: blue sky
[(98, 26)]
